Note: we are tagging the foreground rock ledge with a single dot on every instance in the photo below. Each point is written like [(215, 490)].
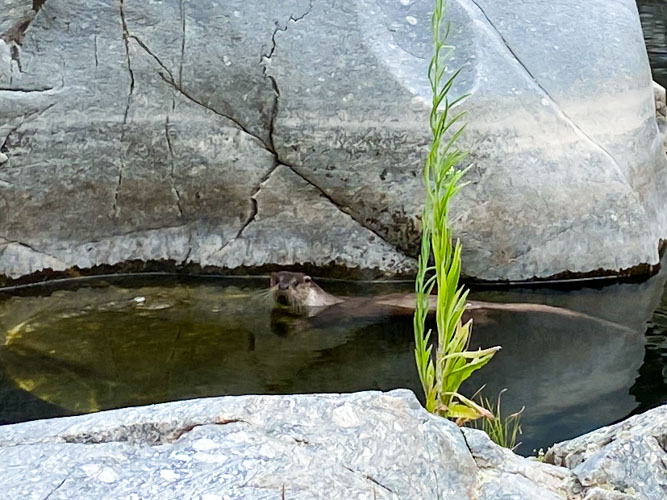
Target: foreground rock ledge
[(363, 445)]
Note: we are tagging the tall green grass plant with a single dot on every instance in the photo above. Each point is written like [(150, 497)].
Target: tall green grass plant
[(440, 259)]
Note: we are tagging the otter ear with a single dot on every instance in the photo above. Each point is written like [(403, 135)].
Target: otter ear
[(306, 279)]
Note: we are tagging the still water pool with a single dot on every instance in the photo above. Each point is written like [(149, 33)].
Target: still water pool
[(103, 343), (653, 14)]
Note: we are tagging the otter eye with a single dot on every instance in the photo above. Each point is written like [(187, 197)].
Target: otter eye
[(307, 279)]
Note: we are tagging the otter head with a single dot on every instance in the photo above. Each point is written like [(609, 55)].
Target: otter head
[(299, 291)]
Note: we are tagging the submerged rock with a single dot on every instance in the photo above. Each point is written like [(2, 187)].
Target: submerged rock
[(170, 130), (362, 445)]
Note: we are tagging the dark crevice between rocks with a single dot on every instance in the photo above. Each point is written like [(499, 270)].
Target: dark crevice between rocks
[(548, 95), (34, 282), (171, 171), (463, 435), (16, 33)]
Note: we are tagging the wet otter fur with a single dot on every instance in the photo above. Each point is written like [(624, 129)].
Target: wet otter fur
[(300, 295)]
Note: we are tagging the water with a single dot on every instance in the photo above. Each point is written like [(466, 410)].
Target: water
[(653, 15), (107, 343)]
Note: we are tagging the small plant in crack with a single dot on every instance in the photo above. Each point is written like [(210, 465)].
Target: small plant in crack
[(503, 430)]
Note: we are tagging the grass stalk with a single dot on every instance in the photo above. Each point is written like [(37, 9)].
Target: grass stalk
[(441, 373)]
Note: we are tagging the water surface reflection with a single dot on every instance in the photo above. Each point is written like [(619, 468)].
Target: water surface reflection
[(105, 344)]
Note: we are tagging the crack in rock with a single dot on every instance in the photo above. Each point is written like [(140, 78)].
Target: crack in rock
[(253, 200), (265, 60), (179, 433), (168, 77), (187, 255), (6, 243), (25, 90), (15, 34), (26, 118), (180, 66), (370, 478), (284, 29), (547, 95), (115, 208), (126, 42), (171, 158), (121, 6), (57, 487), (149, 433), (97, 62), (175, 80), (347, 212)]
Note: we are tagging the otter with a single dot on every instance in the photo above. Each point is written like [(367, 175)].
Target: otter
[(300, 295), (299, 291)]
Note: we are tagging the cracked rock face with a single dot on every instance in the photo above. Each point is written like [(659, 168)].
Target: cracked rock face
[(361, 445), (225, 134), (630, 456)]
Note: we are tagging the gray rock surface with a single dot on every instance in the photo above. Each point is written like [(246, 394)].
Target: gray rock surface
[(319, 446), (361, 445), (661, 109), (503, 474), (154, 130), (630, 457), (15, 12)]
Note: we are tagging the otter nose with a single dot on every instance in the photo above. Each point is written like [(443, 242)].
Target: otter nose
[(283, 286)]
